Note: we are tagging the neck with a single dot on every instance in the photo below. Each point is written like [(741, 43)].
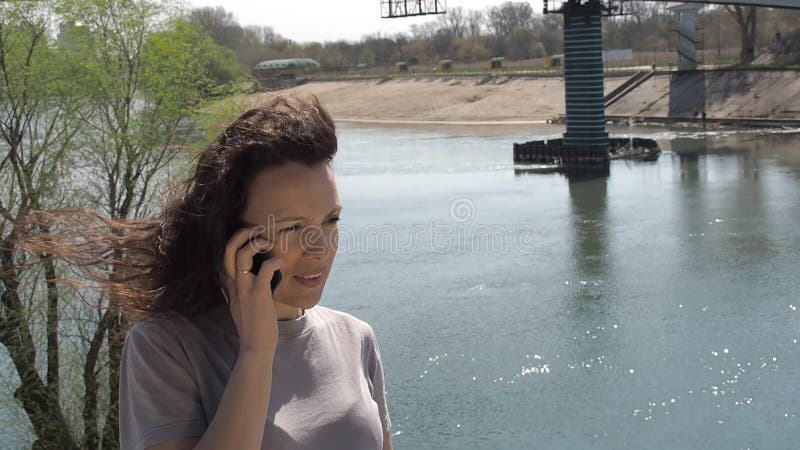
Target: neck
[(288, 312)]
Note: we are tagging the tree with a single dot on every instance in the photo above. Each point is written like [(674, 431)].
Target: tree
[(263, 34), (220, 24), (471, 48), (424, 31), (550, 33), (251, 44), (442, 44), (334, 60), (366, 56), (382, 47), (520, 44), (745, 17), (454, 22), (39, 114), (503, 19), (475, 22), (91, 119)]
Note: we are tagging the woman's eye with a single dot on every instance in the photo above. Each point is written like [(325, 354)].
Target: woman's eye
[(295, 227)]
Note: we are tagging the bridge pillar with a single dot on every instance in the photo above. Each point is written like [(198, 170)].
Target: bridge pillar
[(687, 33), (583, 79)]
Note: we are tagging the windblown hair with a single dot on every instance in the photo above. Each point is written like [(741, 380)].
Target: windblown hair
[(173, 261)]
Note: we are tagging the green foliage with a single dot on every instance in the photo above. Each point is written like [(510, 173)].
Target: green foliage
[(174, 75), (504, 19), (471, 49), (521, 42), (96, 96), (39, 94), (221, 64), (213, 117), (334, 60), (366, 56)]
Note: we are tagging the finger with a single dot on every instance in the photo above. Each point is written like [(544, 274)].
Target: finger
[(244, 256), (264, 277), (239, 238)]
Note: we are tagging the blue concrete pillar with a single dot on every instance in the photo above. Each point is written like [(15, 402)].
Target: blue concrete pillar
[(583, 78)]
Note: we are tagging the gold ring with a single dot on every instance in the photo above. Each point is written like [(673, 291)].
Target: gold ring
[(243, 271)]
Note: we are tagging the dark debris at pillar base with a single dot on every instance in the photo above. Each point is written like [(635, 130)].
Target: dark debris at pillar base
[(553, 152)]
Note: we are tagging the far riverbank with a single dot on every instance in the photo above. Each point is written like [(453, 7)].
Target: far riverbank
[(761, 95)]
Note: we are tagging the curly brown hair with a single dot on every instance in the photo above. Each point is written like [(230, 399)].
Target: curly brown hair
[(173, 261)]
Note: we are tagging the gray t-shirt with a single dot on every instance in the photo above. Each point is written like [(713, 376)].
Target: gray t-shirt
[(327, 381)]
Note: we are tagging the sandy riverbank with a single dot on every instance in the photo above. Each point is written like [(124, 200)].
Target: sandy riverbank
[(454, 100), (737, 94)]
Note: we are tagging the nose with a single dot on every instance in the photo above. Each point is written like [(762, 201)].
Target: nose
[(317, 242)]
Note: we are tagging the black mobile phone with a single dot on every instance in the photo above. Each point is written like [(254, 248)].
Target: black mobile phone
[(260, 257)]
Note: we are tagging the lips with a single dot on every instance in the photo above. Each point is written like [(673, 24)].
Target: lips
[(310, 274), (309, 282)]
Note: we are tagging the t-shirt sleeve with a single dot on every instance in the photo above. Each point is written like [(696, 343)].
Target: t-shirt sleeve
[(375, 370), (158, 396)]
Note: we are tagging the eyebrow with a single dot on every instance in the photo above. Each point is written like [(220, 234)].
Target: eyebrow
[(291, 219)]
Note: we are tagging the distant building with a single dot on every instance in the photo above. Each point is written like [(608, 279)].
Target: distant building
[(496, 62), (554, 61), (278, 73)]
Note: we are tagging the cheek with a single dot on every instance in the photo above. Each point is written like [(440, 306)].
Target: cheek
[(334, 240)]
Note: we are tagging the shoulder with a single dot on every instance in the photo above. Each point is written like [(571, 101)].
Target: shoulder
[(344, 321), (161, 323), (158, 333)]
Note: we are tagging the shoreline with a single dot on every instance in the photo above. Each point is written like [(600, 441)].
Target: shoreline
[(630, 121), (443, 122)]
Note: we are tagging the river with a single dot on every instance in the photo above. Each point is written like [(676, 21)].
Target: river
[(652, 308)]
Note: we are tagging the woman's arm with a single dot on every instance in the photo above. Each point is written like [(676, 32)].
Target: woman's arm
[(387, 441), (242, 412), (239, 420)]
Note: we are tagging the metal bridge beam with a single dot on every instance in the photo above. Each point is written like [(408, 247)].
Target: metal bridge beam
[(789, 4)]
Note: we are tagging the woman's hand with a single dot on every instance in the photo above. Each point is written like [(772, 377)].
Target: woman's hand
[(249, 296)]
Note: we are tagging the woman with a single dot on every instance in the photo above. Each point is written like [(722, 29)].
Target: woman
[(221, 361)]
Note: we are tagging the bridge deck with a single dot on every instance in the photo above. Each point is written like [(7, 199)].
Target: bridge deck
[(789, 4)]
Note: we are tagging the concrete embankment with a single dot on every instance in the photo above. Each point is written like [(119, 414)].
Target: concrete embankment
[(760, 95), (757, 96)]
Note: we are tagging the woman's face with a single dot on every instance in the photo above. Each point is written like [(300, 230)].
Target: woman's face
[(299, 208)]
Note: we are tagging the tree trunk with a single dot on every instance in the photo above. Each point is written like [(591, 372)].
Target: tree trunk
[(90, 431), (116, 339), (53, 366), (745, 17), (36, 397)]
